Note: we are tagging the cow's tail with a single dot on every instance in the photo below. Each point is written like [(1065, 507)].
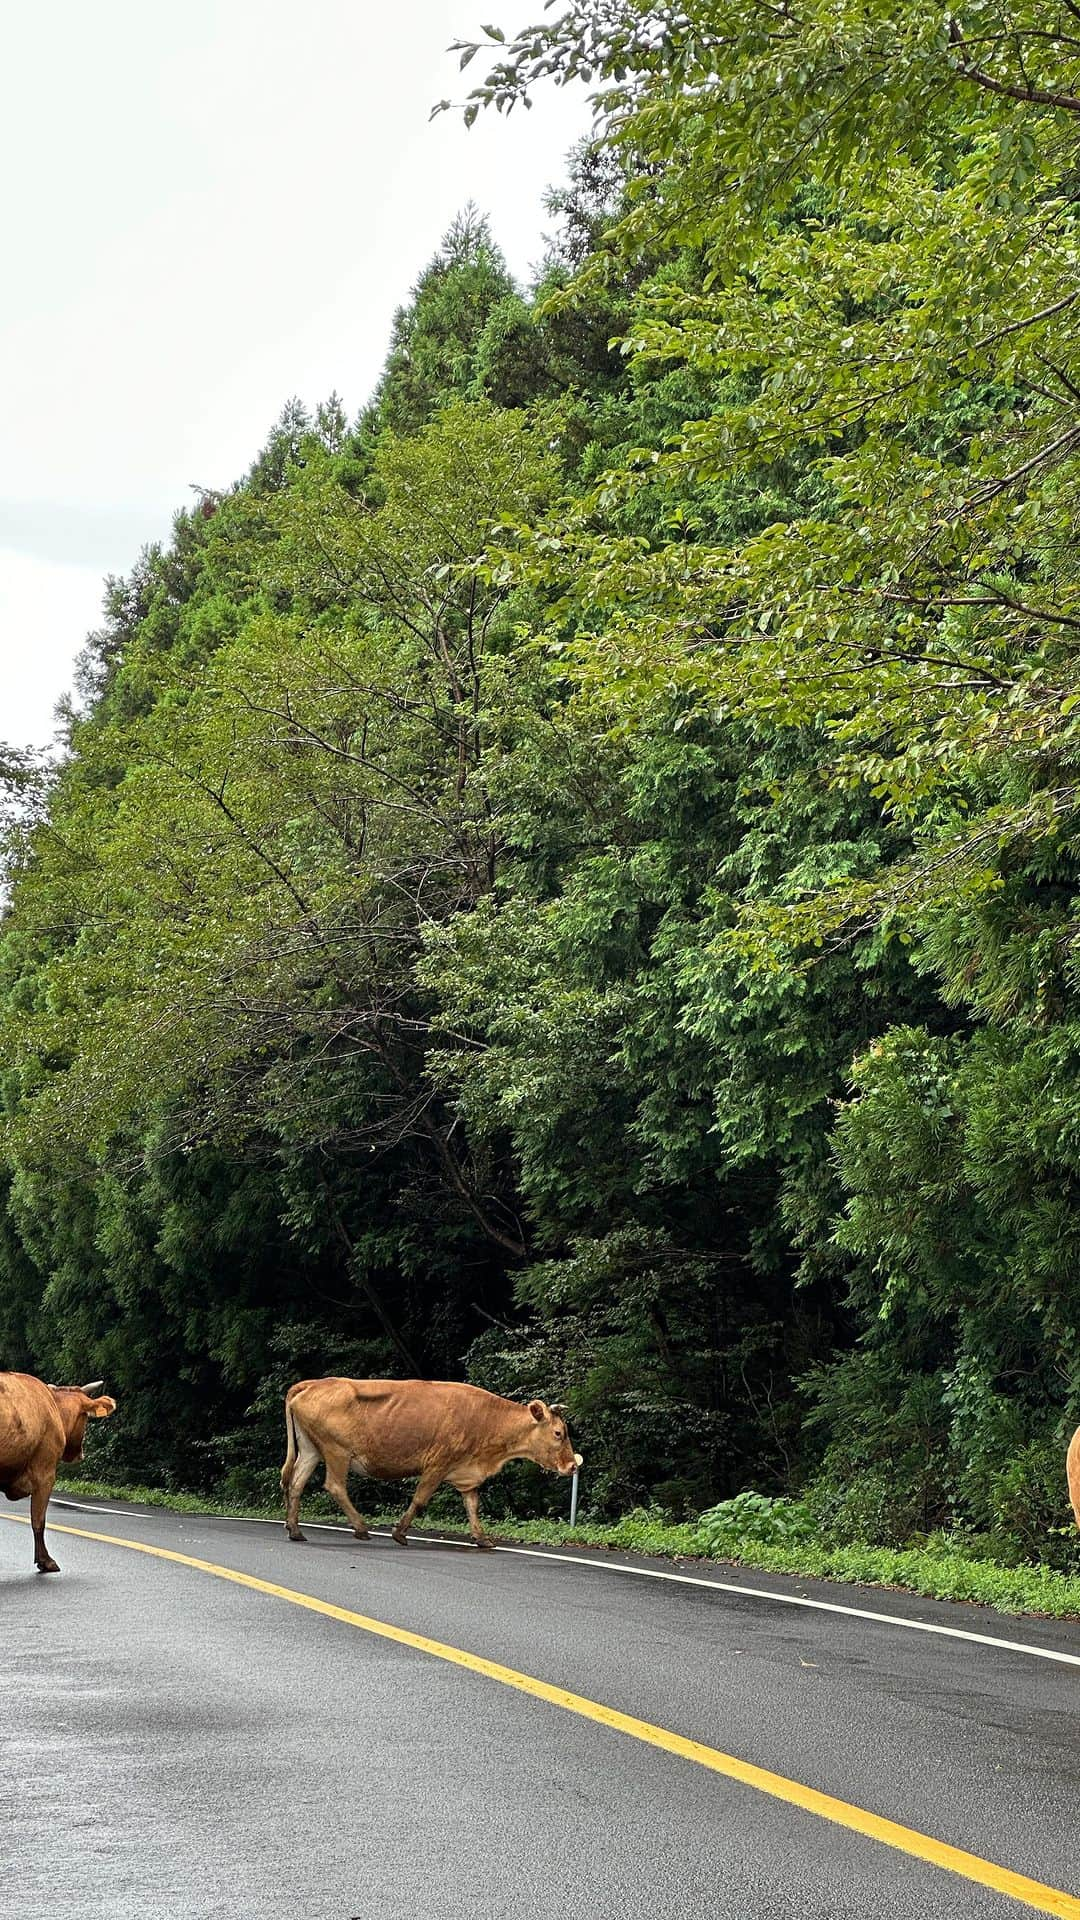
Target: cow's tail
[(290, 1449)]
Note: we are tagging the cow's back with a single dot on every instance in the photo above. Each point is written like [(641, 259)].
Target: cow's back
[(30, 1425), (394, 1428)]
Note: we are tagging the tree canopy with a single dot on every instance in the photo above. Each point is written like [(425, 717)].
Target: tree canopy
[(570, 879)]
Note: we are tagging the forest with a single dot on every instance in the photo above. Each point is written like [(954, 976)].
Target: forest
[(569, 879)]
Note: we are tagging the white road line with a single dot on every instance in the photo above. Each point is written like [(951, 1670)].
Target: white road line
[(650, 1573)]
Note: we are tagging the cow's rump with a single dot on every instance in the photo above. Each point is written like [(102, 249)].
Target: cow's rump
[(30, 1427)]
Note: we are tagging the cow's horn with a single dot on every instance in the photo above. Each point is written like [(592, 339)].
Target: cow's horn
[(92, 1387)]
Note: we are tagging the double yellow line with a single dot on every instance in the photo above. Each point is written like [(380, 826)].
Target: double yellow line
[(921, 1846)]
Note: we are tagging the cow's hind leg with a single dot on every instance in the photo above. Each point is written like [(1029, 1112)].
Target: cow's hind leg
[(471, 1497), (417, 1506), (337, 1470), (39, 1500), (307, 1459)]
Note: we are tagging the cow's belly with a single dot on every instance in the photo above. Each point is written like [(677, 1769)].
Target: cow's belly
[(464, 1475), (373, 1467), (459, 1474)]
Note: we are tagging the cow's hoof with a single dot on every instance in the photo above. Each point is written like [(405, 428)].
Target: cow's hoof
[(298, 1538), (485, 1545), (46, 1566), (361, 1533), (401, 1538)]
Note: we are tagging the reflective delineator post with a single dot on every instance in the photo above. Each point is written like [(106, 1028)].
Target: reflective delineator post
[(573, 1499)]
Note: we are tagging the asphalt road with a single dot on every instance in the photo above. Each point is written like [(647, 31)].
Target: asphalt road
[(175, 1745)]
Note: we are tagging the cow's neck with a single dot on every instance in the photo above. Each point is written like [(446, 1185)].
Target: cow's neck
[(69, 1405)]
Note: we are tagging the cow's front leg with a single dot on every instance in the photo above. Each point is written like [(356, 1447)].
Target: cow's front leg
[(417, 1506), (471, 1498), (39, 1500)]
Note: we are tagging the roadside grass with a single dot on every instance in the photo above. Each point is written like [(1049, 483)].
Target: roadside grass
[(936, 1568)]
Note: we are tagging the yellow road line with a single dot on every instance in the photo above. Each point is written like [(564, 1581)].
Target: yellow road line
[(969, 1866)]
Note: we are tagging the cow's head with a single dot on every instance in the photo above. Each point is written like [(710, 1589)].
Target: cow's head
[(550, 1439), (77, 1405)]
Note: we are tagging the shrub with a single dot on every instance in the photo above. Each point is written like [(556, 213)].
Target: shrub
[(757, 1518), (871, 1505)]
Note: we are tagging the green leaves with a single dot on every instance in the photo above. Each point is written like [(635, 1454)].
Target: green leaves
[(754, 1519), (588, 853)]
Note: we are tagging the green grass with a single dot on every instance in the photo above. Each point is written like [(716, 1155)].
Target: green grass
[(939, 1571), (175, 1502)]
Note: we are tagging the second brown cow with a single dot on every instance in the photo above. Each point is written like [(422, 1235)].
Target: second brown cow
[(39, 1427), (441, 1430)]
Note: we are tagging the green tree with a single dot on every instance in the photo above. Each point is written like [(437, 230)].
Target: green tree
[(435, 338), (881, 203)]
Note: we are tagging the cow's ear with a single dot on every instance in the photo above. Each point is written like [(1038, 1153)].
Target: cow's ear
[(101, 1409), (537, 1409)]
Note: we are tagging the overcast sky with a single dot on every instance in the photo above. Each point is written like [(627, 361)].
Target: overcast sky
[(209, 208)]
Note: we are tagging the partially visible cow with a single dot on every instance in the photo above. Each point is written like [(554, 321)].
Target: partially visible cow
[(1072, 1468), (391, 1429), (39, 1427)]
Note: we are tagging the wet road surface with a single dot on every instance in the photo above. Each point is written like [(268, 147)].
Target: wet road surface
[(176, 1745)]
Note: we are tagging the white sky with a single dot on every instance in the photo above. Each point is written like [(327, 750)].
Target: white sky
[(208, 208)]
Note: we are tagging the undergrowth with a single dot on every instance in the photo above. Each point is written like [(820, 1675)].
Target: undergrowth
[(751, 1534)]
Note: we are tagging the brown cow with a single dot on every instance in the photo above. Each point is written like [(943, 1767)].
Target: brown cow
[(391, 1429), (39, 1427), (1072, 1468)]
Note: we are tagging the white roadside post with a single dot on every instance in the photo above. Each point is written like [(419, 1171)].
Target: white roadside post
[(573, 1498)]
